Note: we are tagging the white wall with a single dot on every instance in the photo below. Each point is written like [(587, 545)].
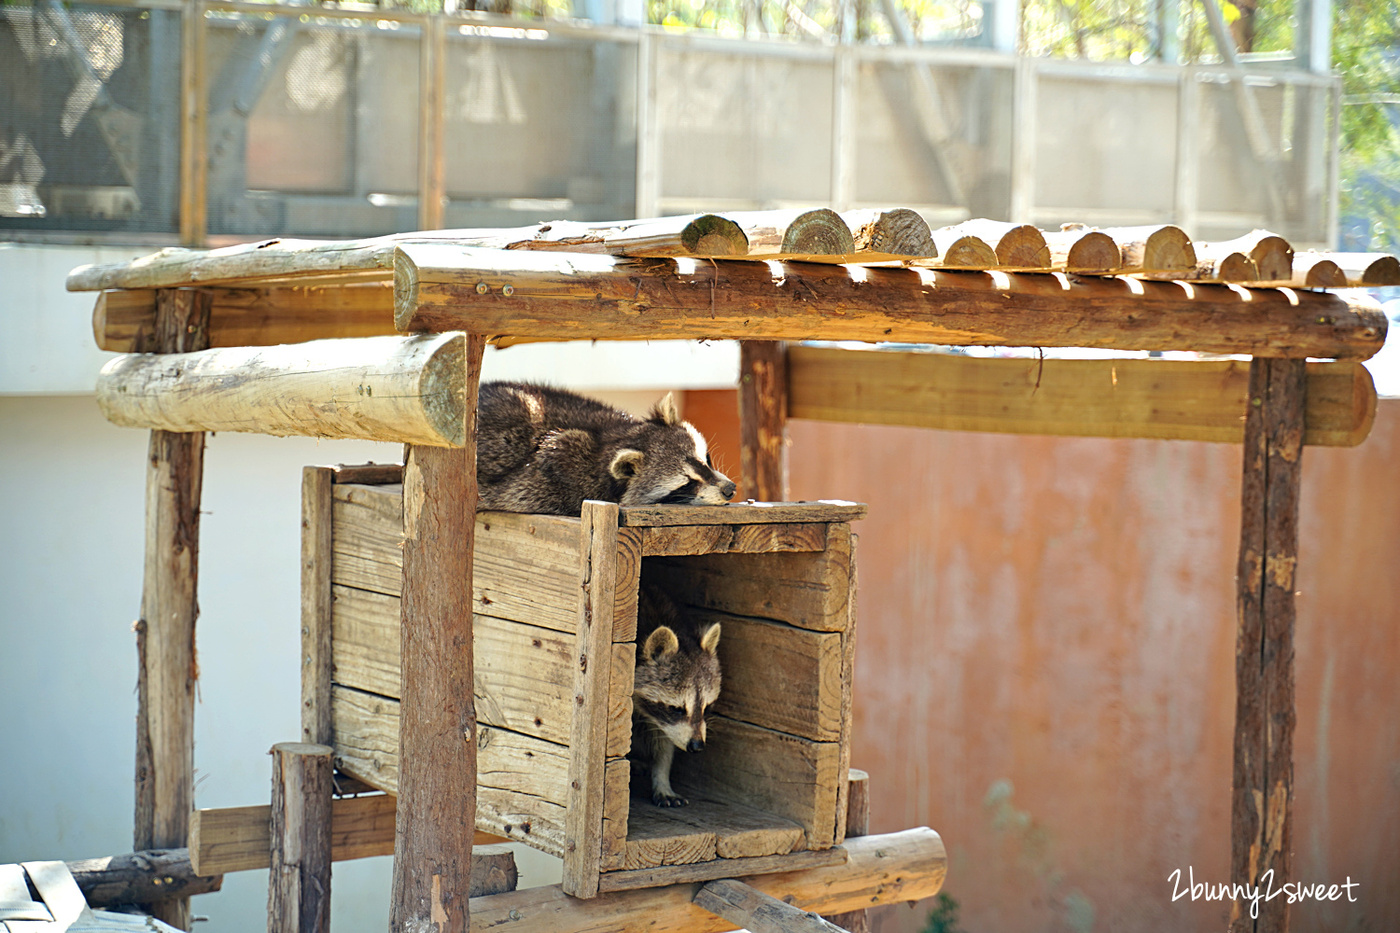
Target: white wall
[(71, 539)]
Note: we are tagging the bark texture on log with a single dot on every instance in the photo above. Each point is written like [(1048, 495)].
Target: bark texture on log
[(436, 817), (1261, 824), (140, 877), (299, 883), (168, 668), (763, 402)]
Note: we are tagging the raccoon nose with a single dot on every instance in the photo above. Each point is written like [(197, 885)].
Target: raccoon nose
[(695, 745), (727, 488)]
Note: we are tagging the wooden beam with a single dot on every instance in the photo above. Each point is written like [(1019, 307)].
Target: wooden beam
[(555, 296), (888, 869), (757, 912), (140, 877), (763, 404), (401, 389), (1261, 821), (437, 739), (1164, 399), (239, 838), (124, 319), (299, 885), (316, 504), (857, 825), (169, 606)]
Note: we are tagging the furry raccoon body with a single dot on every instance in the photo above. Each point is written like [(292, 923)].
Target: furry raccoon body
[(542, 449), (677, 680)]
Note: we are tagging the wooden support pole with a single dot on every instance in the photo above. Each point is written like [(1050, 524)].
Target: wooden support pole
[(757, 912), (763, 403), (857, 825), (316, 503), (402, 389), (436, 817), (140, 877), (169, 606), (1261, 822), (299, 884), (887, 869)]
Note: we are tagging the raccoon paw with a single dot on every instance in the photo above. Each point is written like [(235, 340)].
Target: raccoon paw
[(662, 799)]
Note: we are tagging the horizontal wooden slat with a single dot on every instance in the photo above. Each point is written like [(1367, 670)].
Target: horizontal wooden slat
[(1166, 399), (525, 566), (792, 865), (522, 671), (663, 541), (778, 676), (522, 782), (772, 771), (739, 513), (238, 838), (557, 296)]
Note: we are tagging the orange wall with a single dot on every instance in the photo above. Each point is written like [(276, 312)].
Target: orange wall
[(1045, 667)]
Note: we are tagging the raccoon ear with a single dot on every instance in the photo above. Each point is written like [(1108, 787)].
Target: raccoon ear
[(709, 641), (626, 463), (666, 410), (660, 644)]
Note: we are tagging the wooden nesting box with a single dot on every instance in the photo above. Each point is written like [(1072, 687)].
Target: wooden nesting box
[(555, 649)]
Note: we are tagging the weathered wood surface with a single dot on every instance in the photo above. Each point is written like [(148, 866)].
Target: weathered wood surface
[(1271, 254), (400, 389), (740, 513), (702, 235), (141, 877), (677, 540), (239, 838), (614, 881), (591, 677), (763, 406), (757, 912), (793, 588), (165, 632), (1014, 247), (123, 321), (1261, 822), (299, 883), (857, 825), (523, 672), (887, 869), (371, 473), (899, 233), (525, 567), (1225, 267), (847, 681), (1164, 399), (796, 233), (316, 554), (1360, 269), (1080, 251), (704, 830), (522, 782), (1154, 251), (960, 250), (1315, 270), (437, 739), (554, 296), (772, 771)]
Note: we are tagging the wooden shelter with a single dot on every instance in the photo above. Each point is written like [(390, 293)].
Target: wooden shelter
[(765, 280)]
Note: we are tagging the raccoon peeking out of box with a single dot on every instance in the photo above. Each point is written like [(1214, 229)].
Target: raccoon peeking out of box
[(677, 680)]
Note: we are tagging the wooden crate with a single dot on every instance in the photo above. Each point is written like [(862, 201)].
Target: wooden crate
[(555, 595)]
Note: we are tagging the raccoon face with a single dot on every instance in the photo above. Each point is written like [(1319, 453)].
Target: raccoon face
[(668, 461), (675, 688)]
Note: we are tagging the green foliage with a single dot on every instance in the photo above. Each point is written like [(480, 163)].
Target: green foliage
[(944, 916), (1366, 52)]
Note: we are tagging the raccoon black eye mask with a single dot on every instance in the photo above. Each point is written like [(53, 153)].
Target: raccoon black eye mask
[(541, 449)]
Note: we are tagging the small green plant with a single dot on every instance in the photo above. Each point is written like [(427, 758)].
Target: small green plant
[(944, 916)]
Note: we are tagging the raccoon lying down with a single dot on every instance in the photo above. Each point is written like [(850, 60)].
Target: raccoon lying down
[(677, 680), (542, 449)]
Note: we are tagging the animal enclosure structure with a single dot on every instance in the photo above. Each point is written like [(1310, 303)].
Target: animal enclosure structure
[(763, 280), (766, 795)]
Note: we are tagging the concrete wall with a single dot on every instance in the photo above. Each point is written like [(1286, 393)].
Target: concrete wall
[(1045, 668)]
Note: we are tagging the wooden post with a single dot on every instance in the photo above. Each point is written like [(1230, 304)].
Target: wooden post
[(316, 502), (857, 825), (169, 606), (436, 816), (763, 400), (299, 884), (1261, 821)]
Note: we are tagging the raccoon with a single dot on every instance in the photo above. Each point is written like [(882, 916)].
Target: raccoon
[(542, 449), (677, 680)]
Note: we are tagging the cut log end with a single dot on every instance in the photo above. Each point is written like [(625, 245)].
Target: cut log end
[(1235, 267), (711, 235), (1384, 271), (405, 289), (1273, 255), (1168, 249), (821, 232), (900, 232), (1092, 253), (970, 252), (1023, 247), (1325, 274)]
